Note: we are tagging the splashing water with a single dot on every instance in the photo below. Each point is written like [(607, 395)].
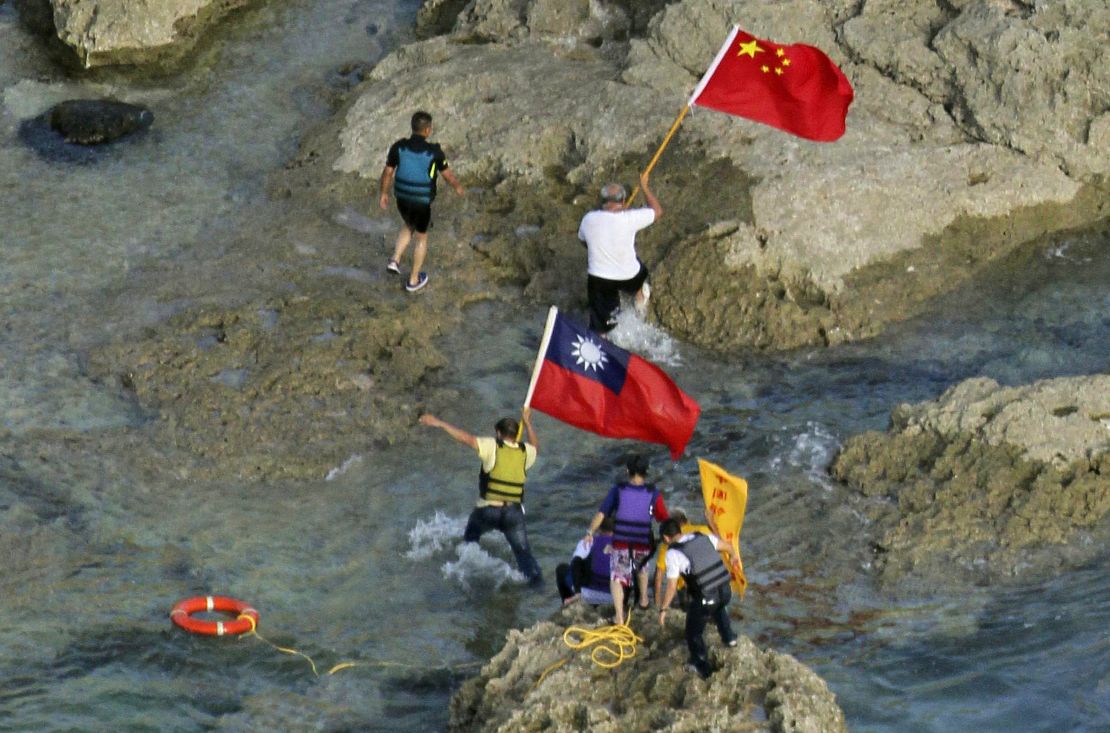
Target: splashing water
[(476, 567), (432, 536), (637, 335), (812, 450)]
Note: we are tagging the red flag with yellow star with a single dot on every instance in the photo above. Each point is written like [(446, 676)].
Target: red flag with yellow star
[(796, 88)]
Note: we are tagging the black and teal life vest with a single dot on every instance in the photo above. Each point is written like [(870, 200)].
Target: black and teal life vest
[(505, 482), (415, 179), (707, 571)]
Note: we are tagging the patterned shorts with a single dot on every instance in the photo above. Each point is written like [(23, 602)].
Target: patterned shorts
[(620, 564)]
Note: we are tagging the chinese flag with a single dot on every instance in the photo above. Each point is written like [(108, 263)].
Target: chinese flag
[(726, 499), (592, 384), (795, 88)]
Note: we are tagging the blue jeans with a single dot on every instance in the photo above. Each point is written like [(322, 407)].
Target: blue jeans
[(698, 613), (509, 519)]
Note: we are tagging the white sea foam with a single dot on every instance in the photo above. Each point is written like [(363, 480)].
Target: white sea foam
[(431, 536), (475, 566), (343, 468), (647, 340), (811, 450), (472, 566)]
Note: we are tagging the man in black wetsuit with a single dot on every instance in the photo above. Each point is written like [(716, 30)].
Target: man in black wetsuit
[(411, 168)]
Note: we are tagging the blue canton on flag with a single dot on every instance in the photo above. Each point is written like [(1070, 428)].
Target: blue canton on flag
[(583, 352)]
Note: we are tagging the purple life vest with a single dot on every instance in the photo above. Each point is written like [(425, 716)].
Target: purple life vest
[(635, 505), (599, 564)]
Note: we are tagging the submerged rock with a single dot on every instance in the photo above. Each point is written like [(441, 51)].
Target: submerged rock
[(987, 482), (96, 121), (536, 682)]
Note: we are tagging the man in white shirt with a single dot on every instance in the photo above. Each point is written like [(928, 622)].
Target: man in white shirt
[(613, 267), (694, 557)]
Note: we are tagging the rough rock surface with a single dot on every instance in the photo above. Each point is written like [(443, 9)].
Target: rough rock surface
[(751, 689), (987, 481), (289, 388), (96, 121), (978, 115), (110, 32)]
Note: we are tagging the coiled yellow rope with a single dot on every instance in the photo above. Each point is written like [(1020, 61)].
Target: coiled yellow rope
[(612, 645)]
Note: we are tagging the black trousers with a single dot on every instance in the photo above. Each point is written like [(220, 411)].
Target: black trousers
[(509, 520), (698, 612)]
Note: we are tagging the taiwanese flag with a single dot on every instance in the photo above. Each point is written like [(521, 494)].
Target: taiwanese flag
[(795, 88), (592, 384)]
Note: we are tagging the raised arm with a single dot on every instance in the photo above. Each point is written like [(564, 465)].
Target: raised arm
[(526, 418), (649, 197), (457, 433)]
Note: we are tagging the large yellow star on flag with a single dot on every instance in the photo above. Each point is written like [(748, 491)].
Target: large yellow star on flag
[(751, 48)]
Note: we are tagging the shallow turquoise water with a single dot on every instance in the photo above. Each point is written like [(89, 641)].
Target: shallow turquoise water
[(365, 566)]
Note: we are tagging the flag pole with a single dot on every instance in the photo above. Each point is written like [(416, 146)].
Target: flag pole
[(659, 152), (701, 85), (551, 314)]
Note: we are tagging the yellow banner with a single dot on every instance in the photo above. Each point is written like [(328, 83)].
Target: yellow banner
[(726, 498)]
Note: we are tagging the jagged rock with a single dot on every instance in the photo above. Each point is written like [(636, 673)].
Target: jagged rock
[(840, 238), (110, 32), (536, 682), (987, 482), (96, 121)]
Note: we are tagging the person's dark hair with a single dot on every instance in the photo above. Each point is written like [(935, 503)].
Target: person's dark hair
[(507, 427), (670, 528), (679, 515), (608, 524), (421, 121), (637, 465)]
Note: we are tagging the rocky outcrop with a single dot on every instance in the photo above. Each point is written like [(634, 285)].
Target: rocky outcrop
[(537, 683), (289, 388), (112, 32), (987, 482), (977, 114)]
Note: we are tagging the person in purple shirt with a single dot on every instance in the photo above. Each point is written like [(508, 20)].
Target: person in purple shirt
[(633, 505)]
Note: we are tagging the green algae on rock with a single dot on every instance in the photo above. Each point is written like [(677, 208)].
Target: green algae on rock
[(987, 483)]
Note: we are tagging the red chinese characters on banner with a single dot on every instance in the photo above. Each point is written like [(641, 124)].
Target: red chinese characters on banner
[(726, 499)]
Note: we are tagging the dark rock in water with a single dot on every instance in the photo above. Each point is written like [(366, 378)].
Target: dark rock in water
[(36, 16), (96, 121)]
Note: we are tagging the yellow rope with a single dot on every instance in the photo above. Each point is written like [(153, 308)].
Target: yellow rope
[(612, 646), (345, 665)]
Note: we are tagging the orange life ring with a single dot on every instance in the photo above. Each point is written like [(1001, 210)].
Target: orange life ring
[(246, 618)]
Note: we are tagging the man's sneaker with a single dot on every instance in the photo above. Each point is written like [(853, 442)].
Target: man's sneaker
[(420, 282), (732, 642), (393, 267)]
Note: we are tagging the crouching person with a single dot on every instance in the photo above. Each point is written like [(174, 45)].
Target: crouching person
[(694, 557), (587, 573)]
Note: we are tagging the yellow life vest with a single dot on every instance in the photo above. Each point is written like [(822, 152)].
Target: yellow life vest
[(505, 482)]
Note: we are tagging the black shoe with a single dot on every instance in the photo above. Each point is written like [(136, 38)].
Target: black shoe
[(700, 672)]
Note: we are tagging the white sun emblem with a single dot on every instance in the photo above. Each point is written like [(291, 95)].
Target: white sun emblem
[(588, 354)]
